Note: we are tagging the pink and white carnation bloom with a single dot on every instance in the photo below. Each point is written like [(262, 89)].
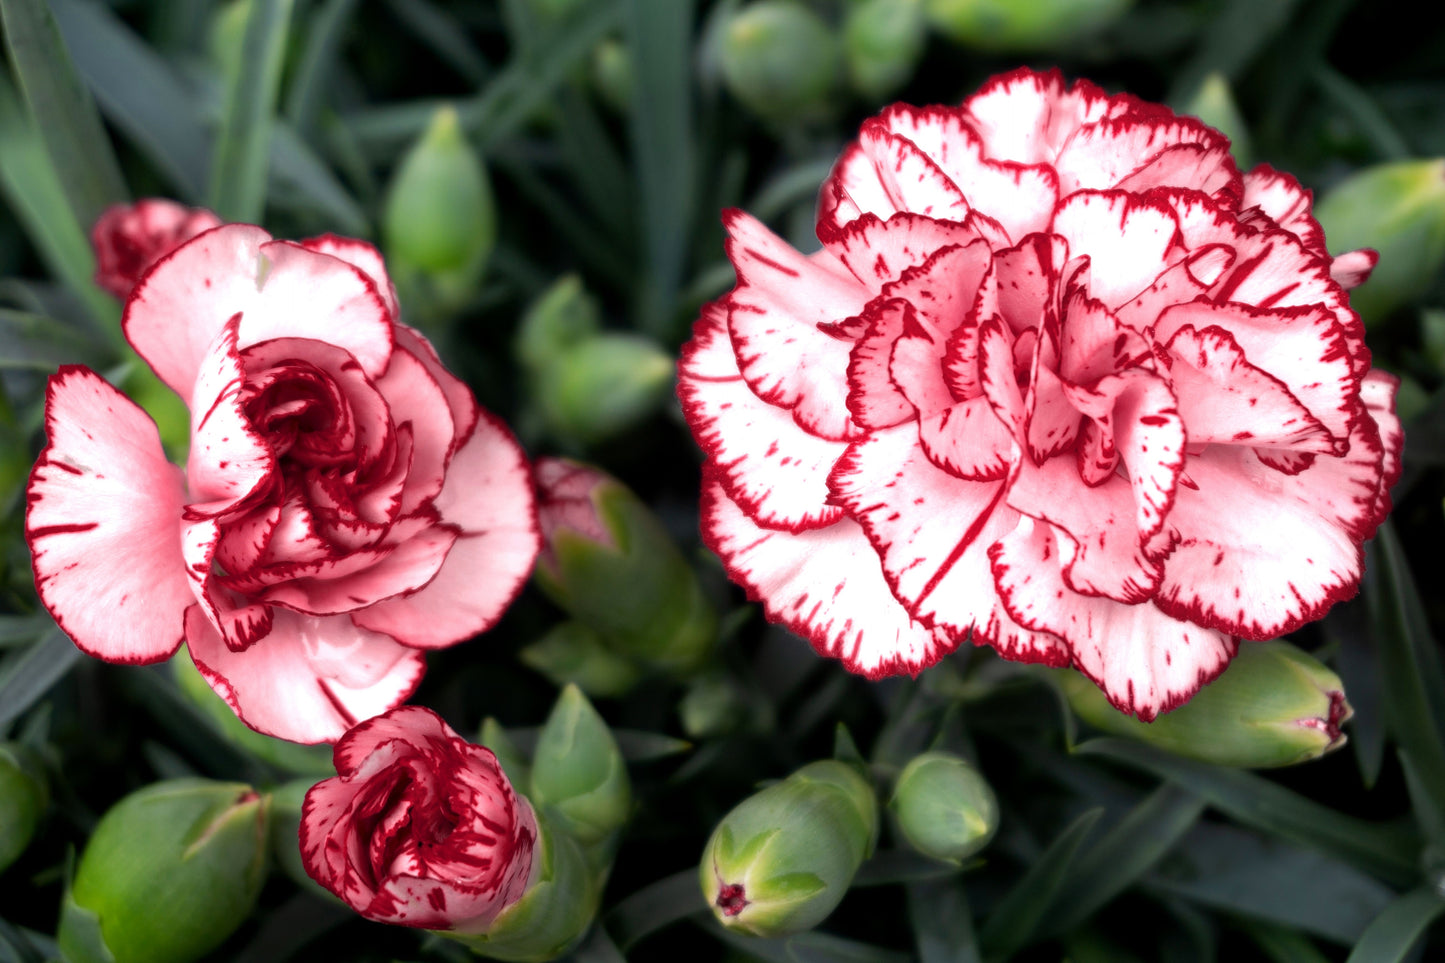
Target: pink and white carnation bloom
[(129, 238), (1061, 381), (346, 505), (419, 827)]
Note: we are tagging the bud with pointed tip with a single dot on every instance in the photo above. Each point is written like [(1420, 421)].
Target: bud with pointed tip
[(783, 858), (170, 871), (602, 386), (944, 807), (560, 318), (609, 562), (1018, 25), (1274, 706), (1399, 210), (440, 221), (882, 42), (24, 795), (578, 775), (780, 60)]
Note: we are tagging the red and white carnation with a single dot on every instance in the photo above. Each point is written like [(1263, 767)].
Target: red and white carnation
[(1061, 381), (129, 238), (345, 507), (419, 827)]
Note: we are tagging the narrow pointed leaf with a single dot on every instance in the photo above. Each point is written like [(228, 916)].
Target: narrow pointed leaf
[(1386, 851), (63, 110), (1015, 921), (40, 343), (324, 34), (653, 907), (26, 676), (1396, 930), (1283, 945), (239, 167), (444, 34), (942, 923)]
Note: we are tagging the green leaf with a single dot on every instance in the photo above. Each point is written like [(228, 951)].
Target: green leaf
[(62, 109), (324, 34), (1016, 918), (659, 37), (239, 167), (1387, 851), (597, 947), (1129, 850), (1392, 934), (1283, 945), (1409, 666), (636, 745), (1234, 38), (1359, 668), (26, 675), (655, 906), (889, 866), (38, 200), (942, 923), (304, 182), (803, 948), (36, 342), (139, 93), (1227, 868), (440, 30), (1359, 107)]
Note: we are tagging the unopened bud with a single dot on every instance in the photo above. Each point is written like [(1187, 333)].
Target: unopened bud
[(783, 858), (1399, 210), (944, 807), (578, 774), (1020, 25), (882, 42), (780, 60), (1273, 706), (440, 222), (563, 316), (602, 386), (609, 562), (24, 795), (168, 874), (573, 653)]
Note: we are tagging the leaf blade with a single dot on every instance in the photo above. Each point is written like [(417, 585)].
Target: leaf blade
[(243, 151)]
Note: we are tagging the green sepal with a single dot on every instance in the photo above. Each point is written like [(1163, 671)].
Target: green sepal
[(553, 914), (579, 778), (603, 385), (560, 318), (572, 653), (513, 761)]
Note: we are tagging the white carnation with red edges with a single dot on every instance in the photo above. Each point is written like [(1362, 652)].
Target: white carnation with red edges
[(345, 507), (1061, 381)]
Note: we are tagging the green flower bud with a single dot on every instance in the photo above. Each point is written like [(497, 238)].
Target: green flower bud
[(562, 317), (1020, 25), (573, 653), (1399, 210), (578, 775), (1273, 706), (780, 60), (613, 75), (289, 756), (609, 562), (1214, 104), (783, 859), (944, 807), (512, 760), (168, 874), (882, 42), (712, 706), (602, 386), (553, 914), (440, 221), (24, 794)]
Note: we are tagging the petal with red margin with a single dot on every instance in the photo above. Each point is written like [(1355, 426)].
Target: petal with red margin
[(1185, 281), (311, 679), (996, 374), (910, 179), (1145, 661), (465, 410), (944, 287), (351, 582), (1285, 202), (774, 315), (776, 471), (967, 440), (1226, 400), (363, 256), (103, 523), (239, 622), (228, 461), (1113, 152), (417, 726), (1205, 167), (1028, 116), (932, 532), (414, 397), (1129, 239), (874, 399), (877, 252), (1354, 268), (1027, 279), (826, 585), (1377, 392), (1263, 552), (489, 496)]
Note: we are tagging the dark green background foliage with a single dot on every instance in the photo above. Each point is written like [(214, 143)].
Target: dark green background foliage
[(1114, 852)]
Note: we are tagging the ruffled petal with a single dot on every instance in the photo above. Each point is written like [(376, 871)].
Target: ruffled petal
[(776, 471), (826, 585), (1129, 238), (311, 679), (1145, 661), (1028, 116), (489, 497), (932, 532), (464, 407), (414, 398), (1139, 153), (967, 440), (103, 523), (1353, 268), (1281, 198), (363, 256), (878, 251), (1377, 392)]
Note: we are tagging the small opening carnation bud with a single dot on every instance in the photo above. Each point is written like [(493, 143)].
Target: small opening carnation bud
[(168, 874), (943, 806), (783, 858), (1274, 706)]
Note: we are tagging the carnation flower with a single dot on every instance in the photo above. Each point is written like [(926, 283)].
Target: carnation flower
[(346, 504), (1061, 381), (419, 827), (129, 238)]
